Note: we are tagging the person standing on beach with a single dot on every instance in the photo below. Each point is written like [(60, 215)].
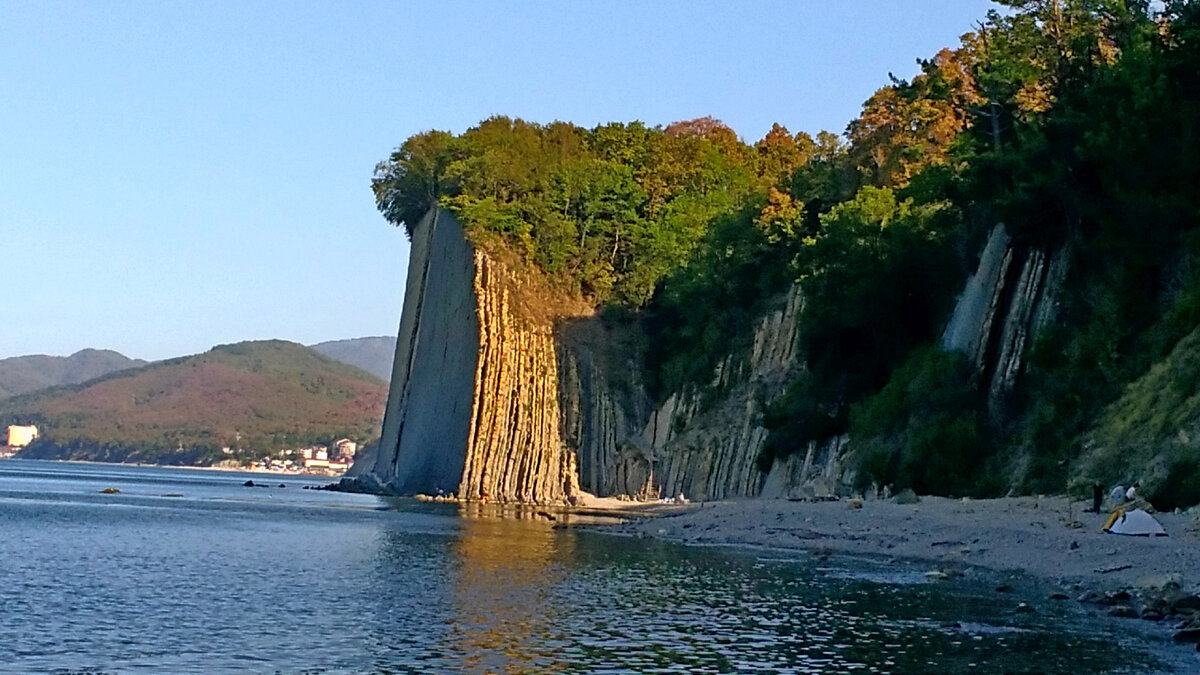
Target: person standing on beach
[(1097, 496)]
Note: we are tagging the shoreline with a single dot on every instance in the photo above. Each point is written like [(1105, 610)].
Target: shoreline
[(1047, 541), (294, 474)]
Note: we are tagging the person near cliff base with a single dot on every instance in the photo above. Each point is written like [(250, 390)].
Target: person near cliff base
[(1097, 496), (1131, 495)]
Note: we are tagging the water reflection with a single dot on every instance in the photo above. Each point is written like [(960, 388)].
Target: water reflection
[(509, 561), (229, 579), (518, 596)]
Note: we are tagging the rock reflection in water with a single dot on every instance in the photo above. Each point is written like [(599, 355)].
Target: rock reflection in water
[(316, 582), (507, 566)]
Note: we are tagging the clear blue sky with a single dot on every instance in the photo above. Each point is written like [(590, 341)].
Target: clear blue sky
[(175, 175)]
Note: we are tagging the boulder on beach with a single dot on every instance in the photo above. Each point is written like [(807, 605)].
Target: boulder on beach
[(906, 496)]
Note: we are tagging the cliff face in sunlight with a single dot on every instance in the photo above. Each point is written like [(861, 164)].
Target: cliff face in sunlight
[(473, 407)]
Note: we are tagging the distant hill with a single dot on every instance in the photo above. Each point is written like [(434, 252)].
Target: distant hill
[(253, 397), (25, 374), (372, 354)]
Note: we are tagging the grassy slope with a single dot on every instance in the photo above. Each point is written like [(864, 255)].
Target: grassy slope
[(1152, 433), (262, 390)]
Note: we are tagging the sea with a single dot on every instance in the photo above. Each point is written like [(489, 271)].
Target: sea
[(134, 569)]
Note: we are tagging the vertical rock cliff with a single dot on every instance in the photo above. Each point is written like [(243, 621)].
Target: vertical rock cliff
[(426, 425), (707, 446), (515, 449), (502, 391), (1013, 294), (702, 443), (473, 406)]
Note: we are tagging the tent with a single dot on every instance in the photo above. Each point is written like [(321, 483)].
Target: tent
[(1135, 523)]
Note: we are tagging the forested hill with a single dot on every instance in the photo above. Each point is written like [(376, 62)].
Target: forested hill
[(372, 354), (253, 397), (24, 374), (1075, 123)]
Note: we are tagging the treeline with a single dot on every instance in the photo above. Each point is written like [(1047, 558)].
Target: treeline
[(606, 211), (182, 448), (1074, 122)]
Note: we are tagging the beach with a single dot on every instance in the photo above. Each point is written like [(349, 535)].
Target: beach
[(1047, 538)]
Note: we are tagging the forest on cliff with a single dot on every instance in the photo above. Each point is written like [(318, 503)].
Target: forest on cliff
[(1075, 123)]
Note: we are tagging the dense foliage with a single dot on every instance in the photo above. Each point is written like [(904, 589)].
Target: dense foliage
[(1074, 122), (606, 211)]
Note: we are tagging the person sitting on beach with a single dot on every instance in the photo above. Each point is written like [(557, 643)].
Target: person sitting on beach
[(1131, 494), (1117, 496)]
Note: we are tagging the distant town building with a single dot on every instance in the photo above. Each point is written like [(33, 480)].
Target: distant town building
[(20, 436), (344, 449)]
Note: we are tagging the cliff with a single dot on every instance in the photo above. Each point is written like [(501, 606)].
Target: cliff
[(502, 391), (703, 443), (499, 392), (1014, 293), (473, 405)]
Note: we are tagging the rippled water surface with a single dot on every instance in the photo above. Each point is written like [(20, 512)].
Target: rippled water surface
[(190, 572)]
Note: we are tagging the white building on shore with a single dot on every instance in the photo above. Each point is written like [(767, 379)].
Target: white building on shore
[(20, 436)]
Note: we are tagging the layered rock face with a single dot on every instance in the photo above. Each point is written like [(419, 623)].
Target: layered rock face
[(703, 444), (515, 449), (708, 449), (473, 406), (492, 399), (500, 392), (1014, 293)]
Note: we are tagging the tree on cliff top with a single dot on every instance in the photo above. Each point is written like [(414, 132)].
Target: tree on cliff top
[(607, 212)]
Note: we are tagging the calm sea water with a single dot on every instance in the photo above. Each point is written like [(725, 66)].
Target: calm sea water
[(188, 571)]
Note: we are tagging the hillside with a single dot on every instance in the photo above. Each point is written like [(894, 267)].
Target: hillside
[(1151, 433), (253, 397), (372, 354), (1047, 159), (25, 374)]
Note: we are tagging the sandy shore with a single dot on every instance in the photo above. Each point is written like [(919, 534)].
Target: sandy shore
[(1040, 536)]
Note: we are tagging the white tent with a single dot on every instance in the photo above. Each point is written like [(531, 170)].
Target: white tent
[(1136, 523)]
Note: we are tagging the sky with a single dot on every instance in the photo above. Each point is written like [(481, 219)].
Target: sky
[(176, 175)]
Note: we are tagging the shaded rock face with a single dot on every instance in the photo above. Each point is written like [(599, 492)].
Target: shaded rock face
[(1014, 293), (427, 422), (604, 406), (816, 473), (708, 449), (703, 444)]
